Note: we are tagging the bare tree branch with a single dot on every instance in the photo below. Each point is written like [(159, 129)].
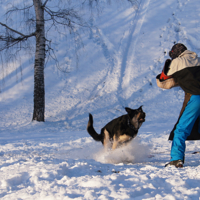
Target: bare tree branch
[(51, 54), (65, 17), (15, 9), (10, 41), (12, 29), (45, 3), (18, 9)]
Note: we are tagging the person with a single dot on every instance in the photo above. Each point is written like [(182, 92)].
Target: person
[(183, 69)]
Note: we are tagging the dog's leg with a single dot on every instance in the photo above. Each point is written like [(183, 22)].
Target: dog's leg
[(123, 139), (106, 140), (115, 143)]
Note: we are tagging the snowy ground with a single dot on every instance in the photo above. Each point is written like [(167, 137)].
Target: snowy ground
[(117, 68)]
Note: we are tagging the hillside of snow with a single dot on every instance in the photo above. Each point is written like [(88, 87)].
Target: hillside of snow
[(117, 64)]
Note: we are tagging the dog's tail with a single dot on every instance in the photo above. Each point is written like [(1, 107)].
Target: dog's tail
[(91, 131)]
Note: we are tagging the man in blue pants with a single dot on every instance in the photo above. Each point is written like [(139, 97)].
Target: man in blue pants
[(184, 71)]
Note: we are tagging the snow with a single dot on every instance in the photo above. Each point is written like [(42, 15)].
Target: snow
[(121, 56)]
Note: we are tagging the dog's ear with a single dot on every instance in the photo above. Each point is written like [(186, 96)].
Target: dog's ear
[(128, 110), (140, 108)]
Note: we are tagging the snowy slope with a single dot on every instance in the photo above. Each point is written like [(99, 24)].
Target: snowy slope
[(117, 67)]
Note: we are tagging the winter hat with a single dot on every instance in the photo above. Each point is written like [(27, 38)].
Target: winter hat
[(177, 50)]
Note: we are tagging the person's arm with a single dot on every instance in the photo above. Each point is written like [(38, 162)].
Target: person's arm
[(163, 81)]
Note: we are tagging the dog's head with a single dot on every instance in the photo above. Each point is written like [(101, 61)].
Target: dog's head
[(136, 117)]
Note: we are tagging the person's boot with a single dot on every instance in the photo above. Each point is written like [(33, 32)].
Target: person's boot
[(176, 163)]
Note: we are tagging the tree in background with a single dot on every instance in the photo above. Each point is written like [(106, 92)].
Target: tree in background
[(30, 34)]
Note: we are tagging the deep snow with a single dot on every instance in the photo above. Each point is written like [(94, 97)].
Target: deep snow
[(117, 67)]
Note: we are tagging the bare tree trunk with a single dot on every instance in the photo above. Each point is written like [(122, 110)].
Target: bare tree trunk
[(39, 90)]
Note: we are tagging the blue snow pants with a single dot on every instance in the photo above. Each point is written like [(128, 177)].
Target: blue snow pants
[(184, 127)]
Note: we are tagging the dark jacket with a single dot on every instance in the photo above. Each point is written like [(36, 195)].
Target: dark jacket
[(189, 79)]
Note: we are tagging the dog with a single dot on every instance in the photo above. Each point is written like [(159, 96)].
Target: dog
[(120, 130)]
